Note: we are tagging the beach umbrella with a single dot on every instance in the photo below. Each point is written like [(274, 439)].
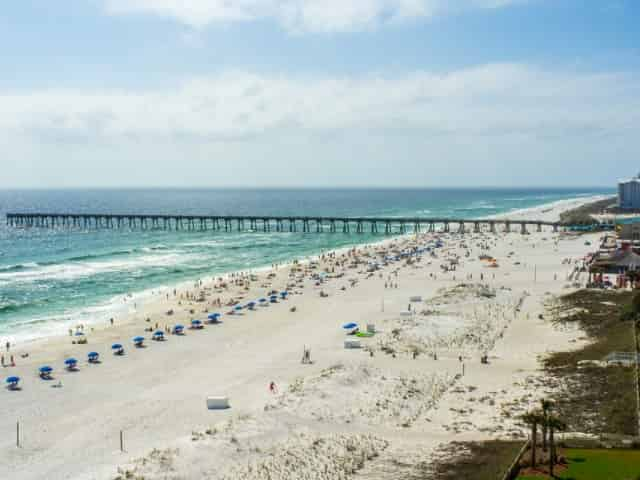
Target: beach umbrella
[(196, 323), (138, 341), (283, 295), (350, 325), (262, 300), (273, 298), (117, 348), (238, 307), (178, 328), (70, 363), (93, 356), (214, 316), (45, 370), (13, 381), (158, 334)]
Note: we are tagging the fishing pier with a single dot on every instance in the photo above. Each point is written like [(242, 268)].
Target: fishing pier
[(250, 223)]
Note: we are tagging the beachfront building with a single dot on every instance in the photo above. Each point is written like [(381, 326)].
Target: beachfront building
[(629, 193), (629, 229)]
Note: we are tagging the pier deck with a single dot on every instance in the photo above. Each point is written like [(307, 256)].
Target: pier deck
[(305, 224)]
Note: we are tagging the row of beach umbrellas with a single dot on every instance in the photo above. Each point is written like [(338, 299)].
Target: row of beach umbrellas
[(71, 364)]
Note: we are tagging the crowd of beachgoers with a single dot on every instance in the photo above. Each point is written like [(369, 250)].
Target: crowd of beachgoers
[(334, 366)]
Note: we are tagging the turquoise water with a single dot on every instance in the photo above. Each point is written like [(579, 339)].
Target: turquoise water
[(50, 279)]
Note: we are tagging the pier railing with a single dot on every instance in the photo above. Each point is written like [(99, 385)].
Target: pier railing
[(305, 224)]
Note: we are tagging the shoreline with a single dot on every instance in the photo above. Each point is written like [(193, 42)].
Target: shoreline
[(149, 295)]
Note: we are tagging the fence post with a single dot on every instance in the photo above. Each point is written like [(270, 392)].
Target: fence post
[(121, 441), (18, 433)]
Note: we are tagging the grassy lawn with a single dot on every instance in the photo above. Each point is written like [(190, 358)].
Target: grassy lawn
[(596, 464)]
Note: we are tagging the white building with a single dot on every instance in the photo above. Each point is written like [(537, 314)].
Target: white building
[(629, 193)]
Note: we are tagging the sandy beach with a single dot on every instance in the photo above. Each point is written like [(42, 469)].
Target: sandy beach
[(416, 384)]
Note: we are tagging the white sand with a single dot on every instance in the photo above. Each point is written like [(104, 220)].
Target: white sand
[(348, 412)]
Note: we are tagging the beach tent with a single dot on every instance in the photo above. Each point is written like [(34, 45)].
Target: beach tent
[(117, 349), (350, 326), (71, 363), (138, 341), (178, 329), (12, 382), (45, 372), (93, 357), (158, 335)]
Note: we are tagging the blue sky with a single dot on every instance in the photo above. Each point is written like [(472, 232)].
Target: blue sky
[(322, 93)]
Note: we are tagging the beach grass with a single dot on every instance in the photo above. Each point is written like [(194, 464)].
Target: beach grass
[(595, 464), (593, 398)]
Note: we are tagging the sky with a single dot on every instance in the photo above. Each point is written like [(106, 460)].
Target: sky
[(416, 93)]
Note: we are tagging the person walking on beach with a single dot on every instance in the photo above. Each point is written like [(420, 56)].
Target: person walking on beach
[(8, 345), (272, 387)]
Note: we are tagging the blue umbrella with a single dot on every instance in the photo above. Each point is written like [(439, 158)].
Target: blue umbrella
[(214, 316), (273, 298), (118, 348), (196, 323), (283, 294), (178, 328), (138, 340), (349, 326), (70, 363), (93, 356), (238, 307), (158, 333), (262, 300), (45, 369), (251, 303), (13, 381)]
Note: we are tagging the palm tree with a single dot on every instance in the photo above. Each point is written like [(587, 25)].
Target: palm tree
[(545, 406), (533, 418), (554, 424)]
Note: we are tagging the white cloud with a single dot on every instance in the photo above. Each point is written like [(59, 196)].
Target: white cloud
[(490, 100), (300, 15)]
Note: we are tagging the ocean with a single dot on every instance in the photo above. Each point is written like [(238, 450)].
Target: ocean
[(53, 279)]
